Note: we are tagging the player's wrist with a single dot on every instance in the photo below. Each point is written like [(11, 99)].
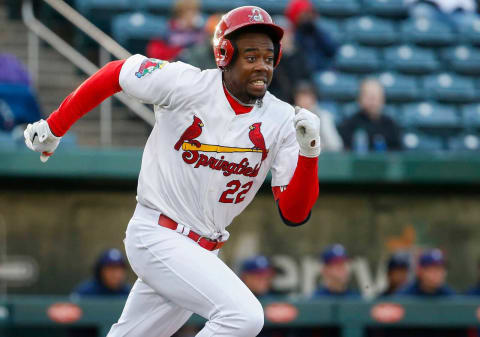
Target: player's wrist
[(307, 150), (54, 131)]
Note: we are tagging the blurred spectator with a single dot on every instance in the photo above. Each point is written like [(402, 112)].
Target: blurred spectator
[(18, 103), (109, 277), (311, 39), (475, 291), (185, 30), (257, 273), (201, 55), (293, 66), (456, 12), (369, 128), (431, 277), (306, 97), (335, 274), (397, 272)]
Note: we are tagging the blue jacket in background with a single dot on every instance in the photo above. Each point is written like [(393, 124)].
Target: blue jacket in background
[(413, 289), (475, 291), (322, 291), (94, 287)]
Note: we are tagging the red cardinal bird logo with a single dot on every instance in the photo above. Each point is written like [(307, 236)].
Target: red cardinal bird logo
[(256, 137), (192, 132)]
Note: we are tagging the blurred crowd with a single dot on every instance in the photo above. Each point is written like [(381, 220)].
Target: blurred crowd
[(422, 276)]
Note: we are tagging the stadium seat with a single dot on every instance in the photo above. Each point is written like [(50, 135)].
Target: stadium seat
[(400, 88), (471, 33), (336, 86), (337, 7), (134, 30), (428, 32), (387, 8), (463, 59), (102, 12), (369, 30), (464, 142), (333, 108), (471, 116), (411, 59), (417, 141), (431, 117), (161, 7), (390, 110), (332, 27), (448, 87), (354, 58)]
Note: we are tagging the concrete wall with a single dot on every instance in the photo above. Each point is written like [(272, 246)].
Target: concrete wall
[(65, 231)]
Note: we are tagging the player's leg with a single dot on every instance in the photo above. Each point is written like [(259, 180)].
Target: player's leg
[(148, 314), (191, 277)]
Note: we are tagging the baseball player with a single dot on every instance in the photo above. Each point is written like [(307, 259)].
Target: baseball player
[(217, 134)]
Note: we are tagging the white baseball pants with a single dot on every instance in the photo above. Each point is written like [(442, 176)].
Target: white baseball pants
[(177, 277)]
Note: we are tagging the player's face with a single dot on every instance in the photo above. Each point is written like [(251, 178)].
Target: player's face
[(259, 283), (337, 272), (432, 277), (397, 277), (252, 72)]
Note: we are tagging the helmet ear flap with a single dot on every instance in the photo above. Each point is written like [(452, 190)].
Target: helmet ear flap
[(224, 52), (277, 52)]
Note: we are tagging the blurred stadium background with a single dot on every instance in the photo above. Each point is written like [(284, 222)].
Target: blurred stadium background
[(56, 218)]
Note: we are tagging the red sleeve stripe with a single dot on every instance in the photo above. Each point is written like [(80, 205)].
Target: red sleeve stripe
[(92, 92)]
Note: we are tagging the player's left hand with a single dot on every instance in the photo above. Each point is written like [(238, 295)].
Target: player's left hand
[(307, 126), (39, 138)]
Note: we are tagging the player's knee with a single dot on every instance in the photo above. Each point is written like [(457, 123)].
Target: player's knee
[(252, 319)]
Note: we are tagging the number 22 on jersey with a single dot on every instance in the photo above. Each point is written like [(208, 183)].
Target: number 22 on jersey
[(229, 197)]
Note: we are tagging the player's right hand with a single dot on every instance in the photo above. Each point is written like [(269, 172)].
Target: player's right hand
[(39, 138)]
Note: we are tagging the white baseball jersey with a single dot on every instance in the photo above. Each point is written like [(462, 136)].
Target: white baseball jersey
[(203, 164)]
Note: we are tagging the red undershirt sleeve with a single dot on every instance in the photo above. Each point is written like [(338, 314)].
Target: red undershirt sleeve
[(93, 91), (296, 201)]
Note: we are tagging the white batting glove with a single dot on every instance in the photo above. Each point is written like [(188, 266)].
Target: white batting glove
[(39, 138), (307, 125)]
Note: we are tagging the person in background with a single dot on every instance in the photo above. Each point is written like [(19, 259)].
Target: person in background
[(257, 273), (369, 129), (315, 43), (305, 97), (397, 273), (335, 274), (475, 290), (185, 30), (293, 69), (109, 278), (201, 55), (431, 277)]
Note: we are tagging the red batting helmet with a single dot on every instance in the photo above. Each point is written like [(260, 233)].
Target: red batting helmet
[(239, 18)]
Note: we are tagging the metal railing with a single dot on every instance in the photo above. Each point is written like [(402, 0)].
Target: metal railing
[(108, 46)]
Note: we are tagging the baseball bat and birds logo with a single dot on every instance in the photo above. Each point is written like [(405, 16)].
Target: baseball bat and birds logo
[(188, 142)]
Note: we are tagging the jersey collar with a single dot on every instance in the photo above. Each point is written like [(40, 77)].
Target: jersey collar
[(238, 108)]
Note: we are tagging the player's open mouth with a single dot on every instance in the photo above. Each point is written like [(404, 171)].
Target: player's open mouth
[(259, 84)]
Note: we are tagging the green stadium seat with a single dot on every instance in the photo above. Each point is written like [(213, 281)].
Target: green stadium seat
[(400, 88), (447, 87), (102, 12), (411, 59), (161, 7), (463, 59), (333, 109), (370, 30), (431, 117), (337, 7), (336, 86), (358, 59), (464, 142), (271, 6), (426, 32), (387, 8), (134, 30), (471, 33), (471, 116), (332, 27), (417, 141), (223, 6)]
